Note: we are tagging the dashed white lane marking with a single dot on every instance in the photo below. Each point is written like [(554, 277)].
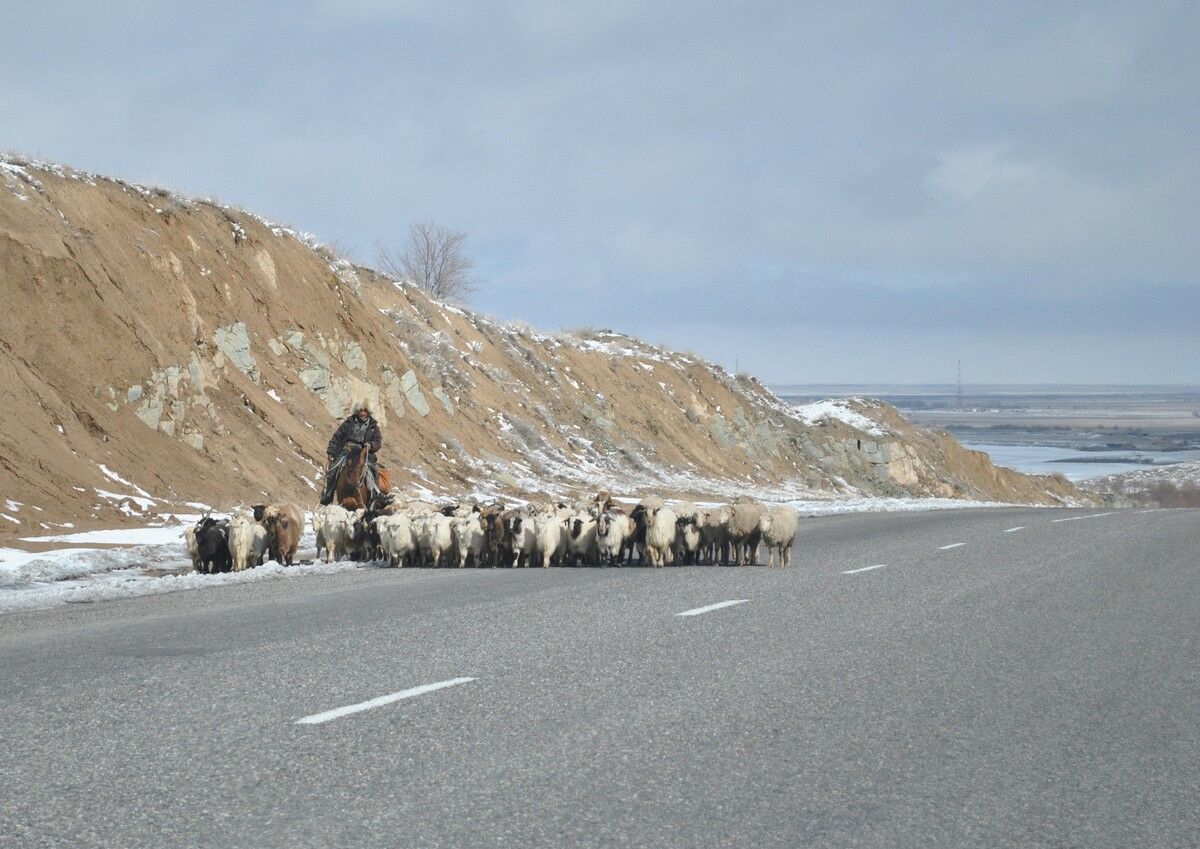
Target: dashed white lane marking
[(864, 569), (950, 546), (318, 718), (1017, 528), (696, 611), (1077, 518)]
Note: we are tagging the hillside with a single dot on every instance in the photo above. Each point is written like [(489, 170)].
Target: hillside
[(157, 350)]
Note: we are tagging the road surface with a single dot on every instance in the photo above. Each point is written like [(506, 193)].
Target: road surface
[(1001, 677)]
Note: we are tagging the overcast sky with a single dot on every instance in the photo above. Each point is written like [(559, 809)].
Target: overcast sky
[(841, 192)]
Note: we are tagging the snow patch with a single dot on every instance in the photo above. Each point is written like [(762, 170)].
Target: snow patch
[(111, 475), (143, 504), (839, 409), (164, 535)]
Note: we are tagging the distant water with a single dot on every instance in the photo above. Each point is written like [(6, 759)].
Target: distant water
[(1077, 465)]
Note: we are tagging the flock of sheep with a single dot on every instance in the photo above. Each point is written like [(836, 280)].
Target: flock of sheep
[(595, 533), (418, 533)]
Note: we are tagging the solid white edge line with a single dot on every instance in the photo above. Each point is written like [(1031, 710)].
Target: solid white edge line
[(950, 546), (864, 569), (318, 718), (1077, 518), (696, 611), (1017, 528)]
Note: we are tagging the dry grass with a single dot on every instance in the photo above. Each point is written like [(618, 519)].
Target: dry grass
[(1162, 494)]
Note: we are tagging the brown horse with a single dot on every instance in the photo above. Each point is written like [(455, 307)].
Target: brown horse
[(350, 488)]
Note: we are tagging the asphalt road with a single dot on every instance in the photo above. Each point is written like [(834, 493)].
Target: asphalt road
[(1034, 687)]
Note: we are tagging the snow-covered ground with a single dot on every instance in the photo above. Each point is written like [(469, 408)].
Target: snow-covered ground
[(153, 560), (143, 561)]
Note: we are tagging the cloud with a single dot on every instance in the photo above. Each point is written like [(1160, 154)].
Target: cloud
[(875, 165), (965, 173)]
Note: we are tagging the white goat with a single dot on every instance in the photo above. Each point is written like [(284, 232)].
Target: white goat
[(581, 538), (524, 539), (687, 539), (318, 526), (435, 537), (468, 539), (336, 527), (396, 536), (551, 533), (193, 547), (614, 535), (660, 536), (247, 541)]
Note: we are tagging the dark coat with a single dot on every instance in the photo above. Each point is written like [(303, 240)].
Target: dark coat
[(352, 430)]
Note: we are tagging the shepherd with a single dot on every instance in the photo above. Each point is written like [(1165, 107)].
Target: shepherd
[(357, 433)]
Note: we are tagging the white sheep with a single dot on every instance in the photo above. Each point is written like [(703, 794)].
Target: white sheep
[(247, 541), (660, 536), (714, 534), (743, 531), (778, 528), (468, 539)]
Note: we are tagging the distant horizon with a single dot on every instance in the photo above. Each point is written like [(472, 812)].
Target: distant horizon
[(974, 388)]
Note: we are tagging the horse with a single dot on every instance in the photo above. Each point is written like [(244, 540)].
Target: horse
[(350, 487)]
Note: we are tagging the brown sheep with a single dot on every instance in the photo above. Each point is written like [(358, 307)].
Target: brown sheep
[(602, 503), (284, 524), (493, 534)]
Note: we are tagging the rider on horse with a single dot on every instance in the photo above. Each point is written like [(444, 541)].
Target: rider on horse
[(359, 428)]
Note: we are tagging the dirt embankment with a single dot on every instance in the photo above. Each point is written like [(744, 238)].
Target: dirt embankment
[(157, 350)]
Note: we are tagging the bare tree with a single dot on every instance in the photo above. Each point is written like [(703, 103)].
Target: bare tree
[(434, 258)]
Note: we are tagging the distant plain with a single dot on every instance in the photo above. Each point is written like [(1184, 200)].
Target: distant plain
[(1079, 431)]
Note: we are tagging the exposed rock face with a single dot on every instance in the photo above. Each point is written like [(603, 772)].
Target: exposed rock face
[(208, 354), (233, 342)]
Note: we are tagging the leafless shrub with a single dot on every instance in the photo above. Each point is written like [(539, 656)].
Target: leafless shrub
[(433, 258), (1168, 494), (528, 435), (499, 375), (431, 351)]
